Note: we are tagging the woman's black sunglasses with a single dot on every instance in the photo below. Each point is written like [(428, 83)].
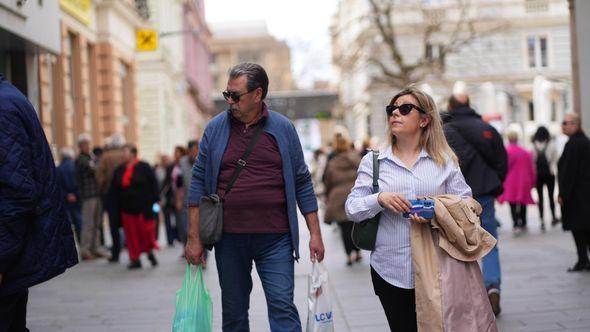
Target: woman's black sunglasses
[(234, 95), (404, 109)]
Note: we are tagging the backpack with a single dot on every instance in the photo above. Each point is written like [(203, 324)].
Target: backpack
[(542, 163)]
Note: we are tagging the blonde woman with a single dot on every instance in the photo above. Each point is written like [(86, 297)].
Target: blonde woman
[(417, 162)]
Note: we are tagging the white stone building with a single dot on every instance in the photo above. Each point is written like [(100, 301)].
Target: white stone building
[(161, 84), (518, 70)]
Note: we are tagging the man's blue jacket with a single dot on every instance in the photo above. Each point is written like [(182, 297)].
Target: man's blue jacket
[(298, 186), (36, 239)]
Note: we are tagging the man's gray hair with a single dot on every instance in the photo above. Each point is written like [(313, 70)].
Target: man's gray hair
[(255, 74), (67, 153), (85, 137), (116, 141)]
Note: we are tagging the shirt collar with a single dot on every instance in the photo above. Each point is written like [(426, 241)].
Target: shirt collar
[(265, 114), (388, 153)]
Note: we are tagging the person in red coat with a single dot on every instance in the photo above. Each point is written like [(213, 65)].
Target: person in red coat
[(135, 191), (519, 182)]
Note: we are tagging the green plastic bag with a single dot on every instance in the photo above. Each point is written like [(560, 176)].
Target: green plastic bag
[(193, 304)]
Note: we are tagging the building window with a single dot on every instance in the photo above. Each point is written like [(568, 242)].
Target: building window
[(537, 50), (553, 110), (531, 111), (432, 51), (536, 6), (126, 98), (249, 56)]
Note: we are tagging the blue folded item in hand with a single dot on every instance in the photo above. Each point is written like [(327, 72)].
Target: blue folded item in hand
[(423, 207)]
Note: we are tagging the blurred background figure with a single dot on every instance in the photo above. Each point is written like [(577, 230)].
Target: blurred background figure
[(545, 155), (186, 167), (66, 178), (338, 179), (178, 193), (112, 158), (135, 189), (317, 168), (160, 170), (519, 182), (97, 154), (573, 178), (90, 199)]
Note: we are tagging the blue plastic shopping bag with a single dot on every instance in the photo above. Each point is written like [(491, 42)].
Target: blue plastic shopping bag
[(193, 304)]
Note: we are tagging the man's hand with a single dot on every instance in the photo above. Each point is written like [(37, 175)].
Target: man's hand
[(316, 245), (394, 202), (195, 253), (316, 248)]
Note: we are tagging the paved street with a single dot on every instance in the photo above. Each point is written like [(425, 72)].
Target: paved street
[(538, 294)]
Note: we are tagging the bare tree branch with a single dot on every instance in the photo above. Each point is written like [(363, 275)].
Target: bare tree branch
[(394, 68)]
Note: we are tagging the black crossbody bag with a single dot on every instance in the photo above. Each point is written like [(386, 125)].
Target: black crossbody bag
[(364, 233), (211, 206)]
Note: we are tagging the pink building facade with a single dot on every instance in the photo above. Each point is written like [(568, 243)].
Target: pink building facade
[(198, 77)]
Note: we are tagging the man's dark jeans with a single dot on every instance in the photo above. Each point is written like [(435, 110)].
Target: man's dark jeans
[(13, 312), (273, 255)]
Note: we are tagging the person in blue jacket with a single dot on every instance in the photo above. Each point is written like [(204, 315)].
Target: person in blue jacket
[(66, 177), (36, 239)]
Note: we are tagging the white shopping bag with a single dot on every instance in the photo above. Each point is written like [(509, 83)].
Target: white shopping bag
[(320, 317)]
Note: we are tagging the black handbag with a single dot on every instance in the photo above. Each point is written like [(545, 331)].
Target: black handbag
[(364, 233), (211, 206)]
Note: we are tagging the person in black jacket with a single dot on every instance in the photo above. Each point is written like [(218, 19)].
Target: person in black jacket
[(574, 188), (36, 239), (483, 162), (135, 190), (66, 176)]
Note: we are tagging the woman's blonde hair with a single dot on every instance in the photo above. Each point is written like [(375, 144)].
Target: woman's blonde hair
[(433, 138)]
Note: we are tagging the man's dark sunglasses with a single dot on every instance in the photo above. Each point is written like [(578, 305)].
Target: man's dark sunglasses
[(234, 95), (404, 109)]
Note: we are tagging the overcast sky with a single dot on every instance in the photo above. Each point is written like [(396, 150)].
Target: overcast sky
[(304, 24)]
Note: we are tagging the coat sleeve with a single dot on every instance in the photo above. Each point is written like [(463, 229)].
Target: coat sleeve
[(361, 203), (197, 187), (101, 175), (305, 195), (568, 170), (499, 156), (153, 183), (19, 192)]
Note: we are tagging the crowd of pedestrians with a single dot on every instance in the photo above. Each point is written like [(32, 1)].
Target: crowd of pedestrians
[(112, 181)]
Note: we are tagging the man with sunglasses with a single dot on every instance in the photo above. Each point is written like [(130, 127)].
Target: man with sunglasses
[(259, 212), (484, 163), (573, 179)]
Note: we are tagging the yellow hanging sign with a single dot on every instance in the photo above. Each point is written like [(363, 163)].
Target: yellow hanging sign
[(146, 40), (79, 9)]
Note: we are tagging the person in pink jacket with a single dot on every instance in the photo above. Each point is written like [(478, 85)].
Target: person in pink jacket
[(520, 180)]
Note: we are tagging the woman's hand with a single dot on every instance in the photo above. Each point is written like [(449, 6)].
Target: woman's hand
[(394, 202)]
